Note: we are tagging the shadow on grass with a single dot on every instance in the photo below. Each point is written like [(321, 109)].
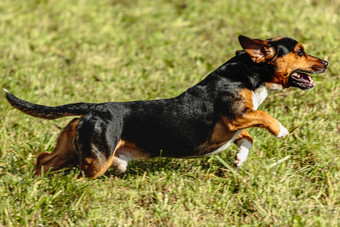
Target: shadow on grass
[(156, 166)]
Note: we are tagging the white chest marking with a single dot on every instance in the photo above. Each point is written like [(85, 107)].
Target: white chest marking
[(259, 95)]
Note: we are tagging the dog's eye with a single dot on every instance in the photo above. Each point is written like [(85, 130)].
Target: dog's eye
[(300, 52)]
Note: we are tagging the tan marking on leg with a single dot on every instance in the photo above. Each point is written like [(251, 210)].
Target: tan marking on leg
[(254, 118), (124, 152), (220, 133), (244, 135), (248, 98), (94, 167), (220, 137), (251, 117)]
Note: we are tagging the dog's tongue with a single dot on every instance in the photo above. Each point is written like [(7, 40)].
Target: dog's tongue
[(303, 80)]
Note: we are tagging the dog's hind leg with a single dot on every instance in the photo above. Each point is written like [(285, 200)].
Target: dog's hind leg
[(97, 163), (95, 166), (97, 143), (244, 143), (63, 154)]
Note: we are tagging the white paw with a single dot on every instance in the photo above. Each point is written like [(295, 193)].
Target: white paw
[(238, 161), (283, 132), (242, 153), (121, 163), (237, 164)]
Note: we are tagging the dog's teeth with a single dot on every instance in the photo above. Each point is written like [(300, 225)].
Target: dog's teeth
[(297, 75)]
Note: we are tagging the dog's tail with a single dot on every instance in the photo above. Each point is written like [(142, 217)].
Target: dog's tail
[(48, 112)]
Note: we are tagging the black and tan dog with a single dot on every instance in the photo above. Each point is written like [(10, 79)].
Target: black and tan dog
[(203, 120)]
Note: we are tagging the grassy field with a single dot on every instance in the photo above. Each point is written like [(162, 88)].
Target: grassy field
[(56, 52)]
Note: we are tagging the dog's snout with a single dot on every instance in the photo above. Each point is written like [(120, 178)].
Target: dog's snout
[(325, 63)]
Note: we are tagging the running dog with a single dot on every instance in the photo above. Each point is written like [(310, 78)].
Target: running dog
[(205, 119)]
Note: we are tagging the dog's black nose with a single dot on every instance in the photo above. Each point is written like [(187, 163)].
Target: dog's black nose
[(325, 63)]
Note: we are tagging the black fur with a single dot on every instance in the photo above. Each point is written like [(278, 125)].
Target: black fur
[(198, 122), (283, 46), (48, 112), (173, 127)]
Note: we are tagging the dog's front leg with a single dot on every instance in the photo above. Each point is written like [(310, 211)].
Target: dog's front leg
[(244, 143), (257, 118)]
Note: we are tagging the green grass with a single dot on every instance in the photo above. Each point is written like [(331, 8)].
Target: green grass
[(56, 52)]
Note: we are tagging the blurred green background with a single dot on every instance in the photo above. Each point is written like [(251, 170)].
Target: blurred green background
[(57, 52)]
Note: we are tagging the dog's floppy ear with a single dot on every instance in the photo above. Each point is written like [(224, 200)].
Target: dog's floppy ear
[(258, 50)]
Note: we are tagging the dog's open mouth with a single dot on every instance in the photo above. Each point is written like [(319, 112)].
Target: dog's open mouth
[(301, 80)]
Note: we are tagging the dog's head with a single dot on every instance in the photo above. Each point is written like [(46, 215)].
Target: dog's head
[(288, 59)]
